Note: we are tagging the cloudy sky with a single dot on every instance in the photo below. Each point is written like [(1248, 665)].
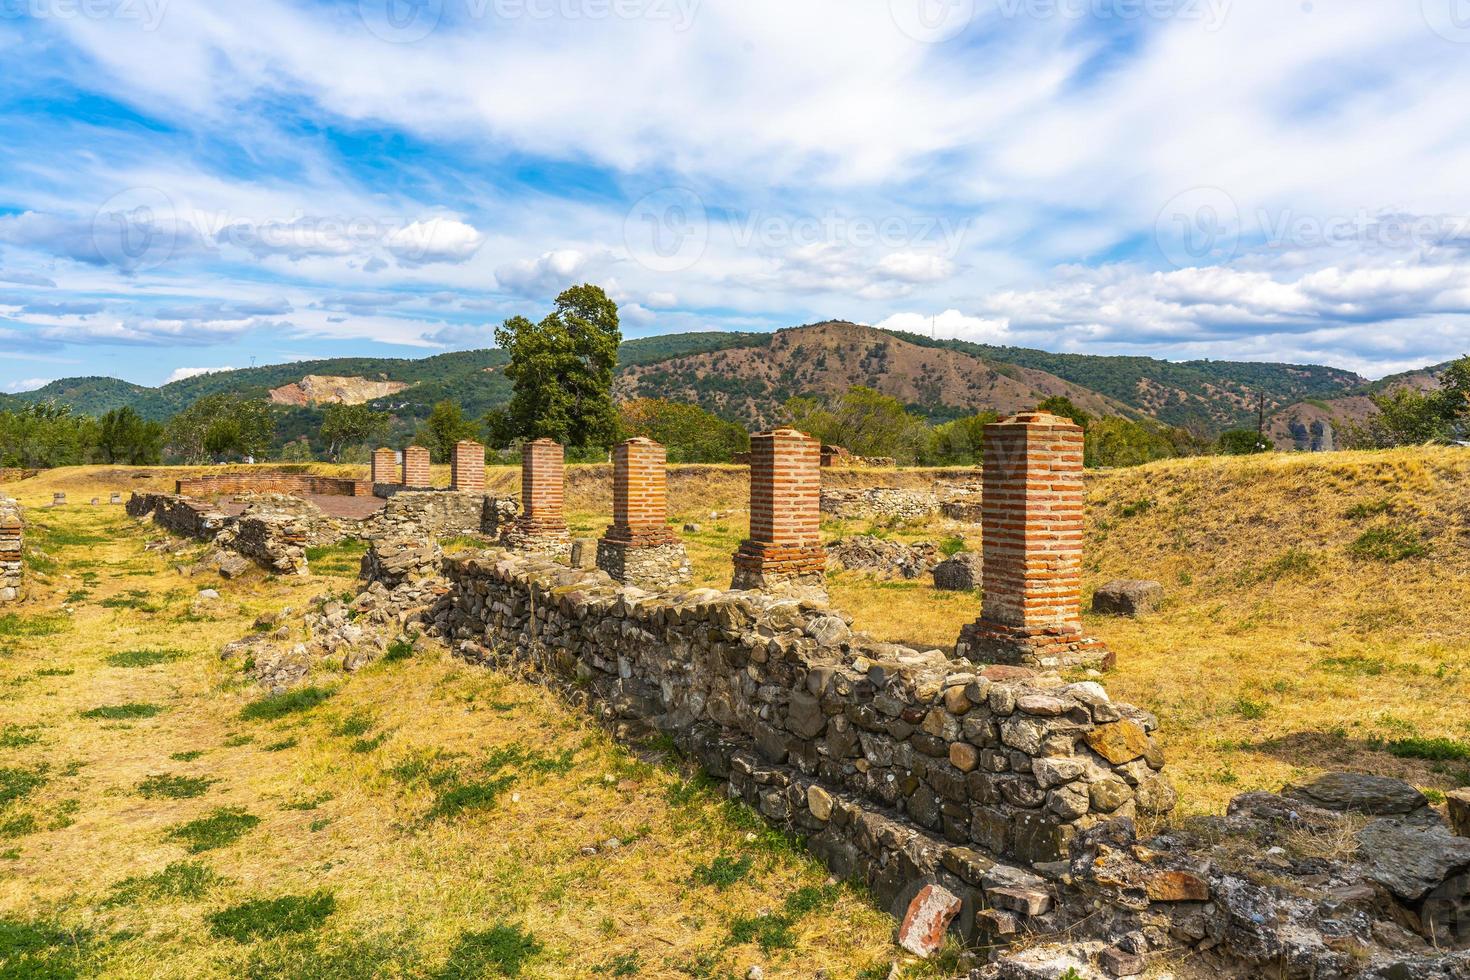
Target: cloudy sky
[(189, 185)]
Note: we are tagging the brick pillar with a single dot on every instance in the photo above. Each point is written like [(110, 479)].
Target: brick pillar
[(416, 468), (640, 548), (385, 467), (467, 467), (12, 535), (1031, 523), (785, 546), (541, 527)]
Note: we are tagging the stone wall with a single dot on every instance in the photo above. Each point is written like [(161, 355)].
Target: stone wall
[(273, 531), (180, 515), (1003, 760), (217, 484), (878, 503), (439, 514), (12, 546)]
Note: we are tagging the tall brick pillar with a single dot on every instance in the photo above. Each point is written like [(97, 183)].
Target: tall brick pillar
[(416, 468), (1031, 522), (385, 467), (640, 548), (784, 548), (541, 527), (467, 467)]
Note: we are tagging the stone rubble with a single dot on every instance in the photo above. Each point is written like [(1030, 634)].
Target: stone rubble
[(866, 553), (12, 547)]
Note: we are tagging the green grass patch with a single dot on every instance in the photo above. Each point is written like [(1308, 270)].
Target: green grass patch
[(38, 951), (19, 826), (1291, 563), (1390, 543), (1140, 506), (342, 558), (1367, 509), (135, 599), (1251, 710), (774, 931), (951, 546), (458, 798), (282, 745), (271, 917), (354, 726), (220, 829), (16, 784), (1356, 665), (188, 756), (55, 672), (123, 712), (16, 737), (12, 624), (722, 872), (1435, 749), (287, 703), (143, 658), (500, 951), (190, 880), (400, 649), (166, 787), (311, 803)]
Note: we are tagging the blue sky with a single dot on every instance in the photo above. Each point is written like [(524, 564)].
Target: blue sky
[(188, 186)]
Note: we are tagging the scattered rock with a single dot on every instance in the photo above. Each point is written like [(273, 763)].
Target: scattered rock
[(208, 595), (927, 919), (1357, 792), (1459, 810), (869, 554), (962, 573), (1128, 597), (584, 553)]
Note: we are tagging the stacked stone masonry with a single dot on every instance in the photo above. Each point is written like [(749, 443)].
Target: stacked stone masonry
[(640, 548), (1003, 760), (385, 471), (541, 527), (416, 468), (1032, 546), (784, 549), (224, 484), (12, 547), (467, 467)]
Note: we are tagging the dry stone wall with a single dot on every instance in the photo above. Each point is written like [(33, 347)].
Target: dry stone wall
[(216, 484), (12, 547), (1001, 759), (439, 514)]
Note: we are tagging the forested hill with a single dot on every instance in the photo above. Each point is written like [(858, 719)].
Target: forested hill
[(1204, 395), (747, 377)]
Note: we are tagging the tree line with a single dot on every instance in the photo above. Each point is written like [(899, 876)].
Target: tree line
[(561, 370)]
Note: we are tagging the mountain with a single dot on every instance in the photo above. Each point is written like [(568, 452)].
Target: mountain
[(750, 383), (1315, 423), (1206, 396), (748, 376)]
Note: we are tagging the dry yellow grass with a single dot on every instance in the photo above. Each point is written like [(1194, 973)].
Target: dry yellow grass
[(346, 795)]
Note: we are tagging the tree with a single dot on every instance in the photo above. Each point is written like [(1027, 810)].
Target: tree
[(1407, 417), (445, 426), (690, 434), (297, 451), (45, 434), (867, 422), (1064, 407), (344, 425), (959, 442), (1113, 441), (126, 437), (562, 370), (219, 426), (1243, 442)]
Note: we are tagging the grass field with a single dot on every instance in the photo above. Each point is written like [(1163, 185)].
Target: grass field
[(424, 818)]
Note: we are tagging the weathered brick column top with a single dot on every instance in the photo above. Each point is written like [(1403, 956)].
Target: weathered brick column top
[(640, 493), (416, 467), (385, 466), (467, 466), (1031, 518), (785, 488), (543, 478)]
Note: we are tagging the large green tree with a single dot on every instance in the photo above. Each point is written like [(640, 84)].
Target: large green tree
[(221, 426), (690, 434), (562, 370), (46, 434), (445, 426), (867, 422), (348, 425), (127, 437), (959, 442), (1407, 417)]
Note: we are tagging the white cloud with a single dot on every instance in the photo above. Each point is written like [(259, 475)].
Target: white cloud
[(916, 267), (539, 277), (27, 384), (435, 240), (951, 324), (180, 374)]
